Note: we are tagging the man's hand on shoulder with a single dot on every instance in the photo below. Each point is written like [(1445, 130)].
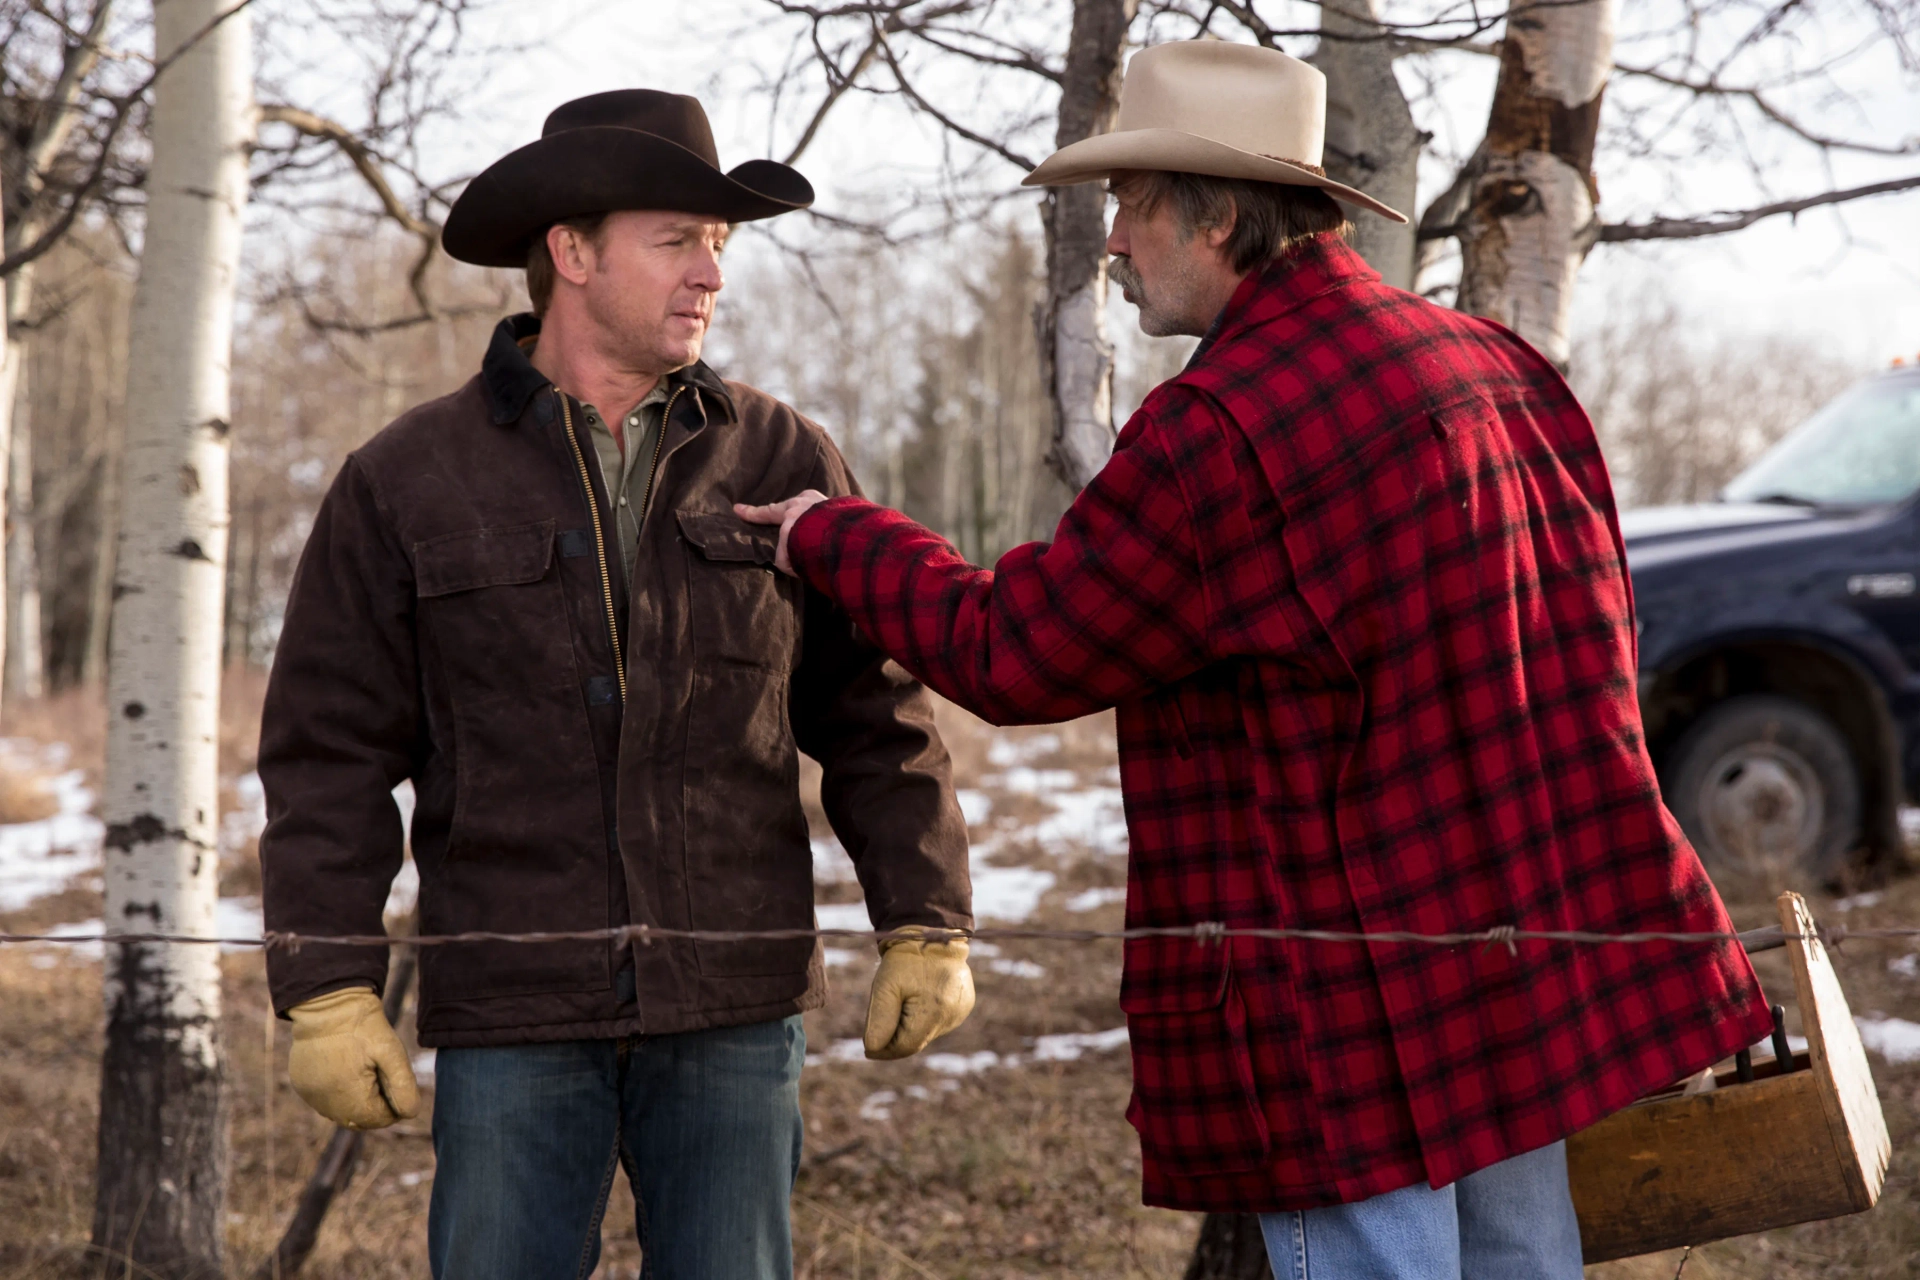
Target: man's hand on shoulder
[(783, 514)]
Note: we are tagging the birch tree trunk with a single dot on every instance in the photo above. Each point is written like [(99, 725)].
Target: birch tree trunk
[(1076, 355), (41, 147), (163, 1118), (25, 672), (1372, 143), (13, 385), (1530, 212)]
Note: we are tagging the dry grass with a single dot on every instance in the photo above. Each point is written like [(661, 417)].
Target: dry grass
[(1004, 1173)]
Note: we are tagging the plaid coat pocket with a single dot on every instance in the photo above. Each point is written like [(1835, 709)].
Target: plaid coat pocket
[(1194, 1104)]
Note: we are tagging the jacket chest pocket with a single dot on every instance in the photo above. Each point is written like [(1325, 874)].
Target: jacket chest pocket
[(495, 607), (742, 610)]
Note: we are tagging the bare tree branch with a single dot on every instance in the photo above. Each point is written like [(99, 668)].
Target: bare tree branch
[(123, 109), (1709, 88), (949, 123), (1722, 223)]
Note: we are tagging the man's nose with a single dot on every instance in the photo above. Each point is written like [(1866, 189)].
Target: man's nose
[(1117, 243), (706, 274)]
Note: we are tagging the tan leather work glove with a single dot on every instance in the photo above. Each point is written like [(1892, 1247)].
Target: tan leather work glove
[(922, 991), (347, 1064)]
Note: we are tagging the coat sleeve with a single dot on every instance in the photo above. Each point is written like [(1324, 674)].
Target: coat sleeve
[(886, 781), (1114, 606), (338, 732)]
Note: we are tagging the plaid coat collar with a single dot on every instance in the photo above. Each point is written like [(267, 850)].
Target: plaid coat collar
[(1310, 270)]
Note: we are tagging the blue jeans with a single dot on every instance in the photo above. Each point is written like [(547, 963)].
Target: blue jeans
[(706, 1123), (1510, 1221)]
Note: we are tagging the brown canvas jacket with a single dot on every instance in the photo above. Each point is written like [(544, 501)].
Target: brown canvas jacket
[(452, 622)]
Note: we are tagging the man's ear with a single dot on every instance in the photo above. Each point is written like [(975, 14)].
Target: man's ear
[(1217, 236), (571, 251)]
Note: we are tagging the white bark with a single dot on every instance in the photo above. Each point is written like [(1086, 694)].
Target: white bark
[(1523, 265), (161, 799), (1372, 142), (1530, 214), (25, 669), (1083, 381), (13, 376)]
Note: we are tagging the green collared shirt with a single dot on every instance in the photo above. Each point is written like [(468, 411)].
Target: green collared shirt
[(627, 475)]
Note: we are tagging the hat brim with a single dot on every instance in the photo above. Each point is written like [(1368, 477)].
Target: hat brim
[(1176, 151), (602, 169)]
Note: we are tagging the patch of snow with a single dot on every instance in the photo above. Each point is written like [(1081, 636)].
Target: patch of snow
[(838, 958), (1027, 781), (415, 1178), (975, 806), (1010, 894), (423, 1064), (965, 1064), (831, 865), (240, 825), (839, 1051), (39, 858), (232, 918), (1907, 966), (237, 918), (78, 950), (1871, 899), (919, 1093), (1068, 1046), (1910, 822), (1094, 899), (1090, 816), (1017, 968), (843, 915), (1005, 750), (983, 949), (879, 1106), (1894, 1039)]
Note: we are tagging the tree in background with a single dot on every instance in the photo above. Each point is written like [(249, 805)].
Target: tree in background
[(161, 1181)]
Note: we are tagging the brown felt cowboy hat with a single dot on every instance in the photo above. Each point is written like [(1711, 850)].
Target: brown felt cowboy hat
[(628, 149), (1210, 107)]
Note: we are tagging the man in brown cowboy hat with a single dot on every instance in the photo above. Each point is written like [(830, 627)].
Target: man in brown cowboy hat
[(1354, 582), (531, 599)]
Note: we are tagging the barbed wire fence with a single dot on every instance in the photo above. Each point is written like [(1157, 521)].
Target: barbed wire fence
[(1752, 940), (340, 1156)]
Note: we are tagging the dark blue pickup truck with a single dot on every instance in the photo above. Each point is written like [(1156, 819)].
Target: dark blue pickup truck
[(1780, 645)]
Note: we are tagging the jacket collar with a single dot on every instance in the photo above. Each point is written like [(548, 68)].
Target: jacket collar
[(510, 380), (1315, 267)]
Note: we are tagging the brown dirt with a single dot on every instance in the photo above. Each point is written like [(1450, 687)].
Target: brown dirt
[(1025, 1171)]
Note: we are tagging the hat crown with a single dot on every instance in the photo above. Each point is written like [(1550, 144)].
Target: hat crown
[(1254, 99), (674, 116)]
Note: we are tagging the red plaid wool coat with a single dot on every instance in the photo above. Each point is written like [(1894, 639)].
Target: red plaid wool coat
[(1355, 584)]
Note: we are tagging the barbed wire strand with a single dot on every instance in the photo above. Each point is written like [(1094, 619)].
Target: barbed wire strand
[(1204, 932)]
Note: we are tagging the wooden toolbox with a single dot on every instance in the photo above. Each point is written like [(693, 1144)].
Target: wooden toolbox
[(1694, 1163)]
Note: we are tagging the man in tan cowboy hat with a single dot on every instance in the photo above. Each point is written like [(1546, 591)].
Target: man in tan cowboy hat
[(531, 598), (1354, 582)]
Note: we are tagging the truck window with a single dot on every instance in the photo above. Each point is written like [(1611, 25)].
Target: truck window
[(1862, 448)]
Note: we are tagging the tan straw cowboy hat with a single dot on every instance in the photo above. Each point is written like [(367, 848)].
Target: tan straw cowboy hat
[(1207, 106)]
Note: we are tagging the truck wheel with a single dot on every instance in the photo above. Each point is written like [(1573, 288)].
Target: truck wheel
[(1765, 787)]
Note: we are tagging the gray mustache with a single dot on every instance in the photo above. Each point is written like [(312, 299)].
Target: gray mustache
[(1122, 271)]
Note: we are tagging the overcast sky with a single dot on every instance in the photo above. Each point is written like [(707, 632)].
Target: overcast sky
[(1849, 279)]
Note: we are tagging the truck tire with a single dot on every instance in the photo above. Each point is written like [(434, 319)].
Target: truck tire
[(1767, 791)]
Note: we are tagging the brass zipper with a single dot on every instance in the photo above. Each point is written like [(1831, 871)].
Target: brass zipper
[(659, 444), (600, 540)]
